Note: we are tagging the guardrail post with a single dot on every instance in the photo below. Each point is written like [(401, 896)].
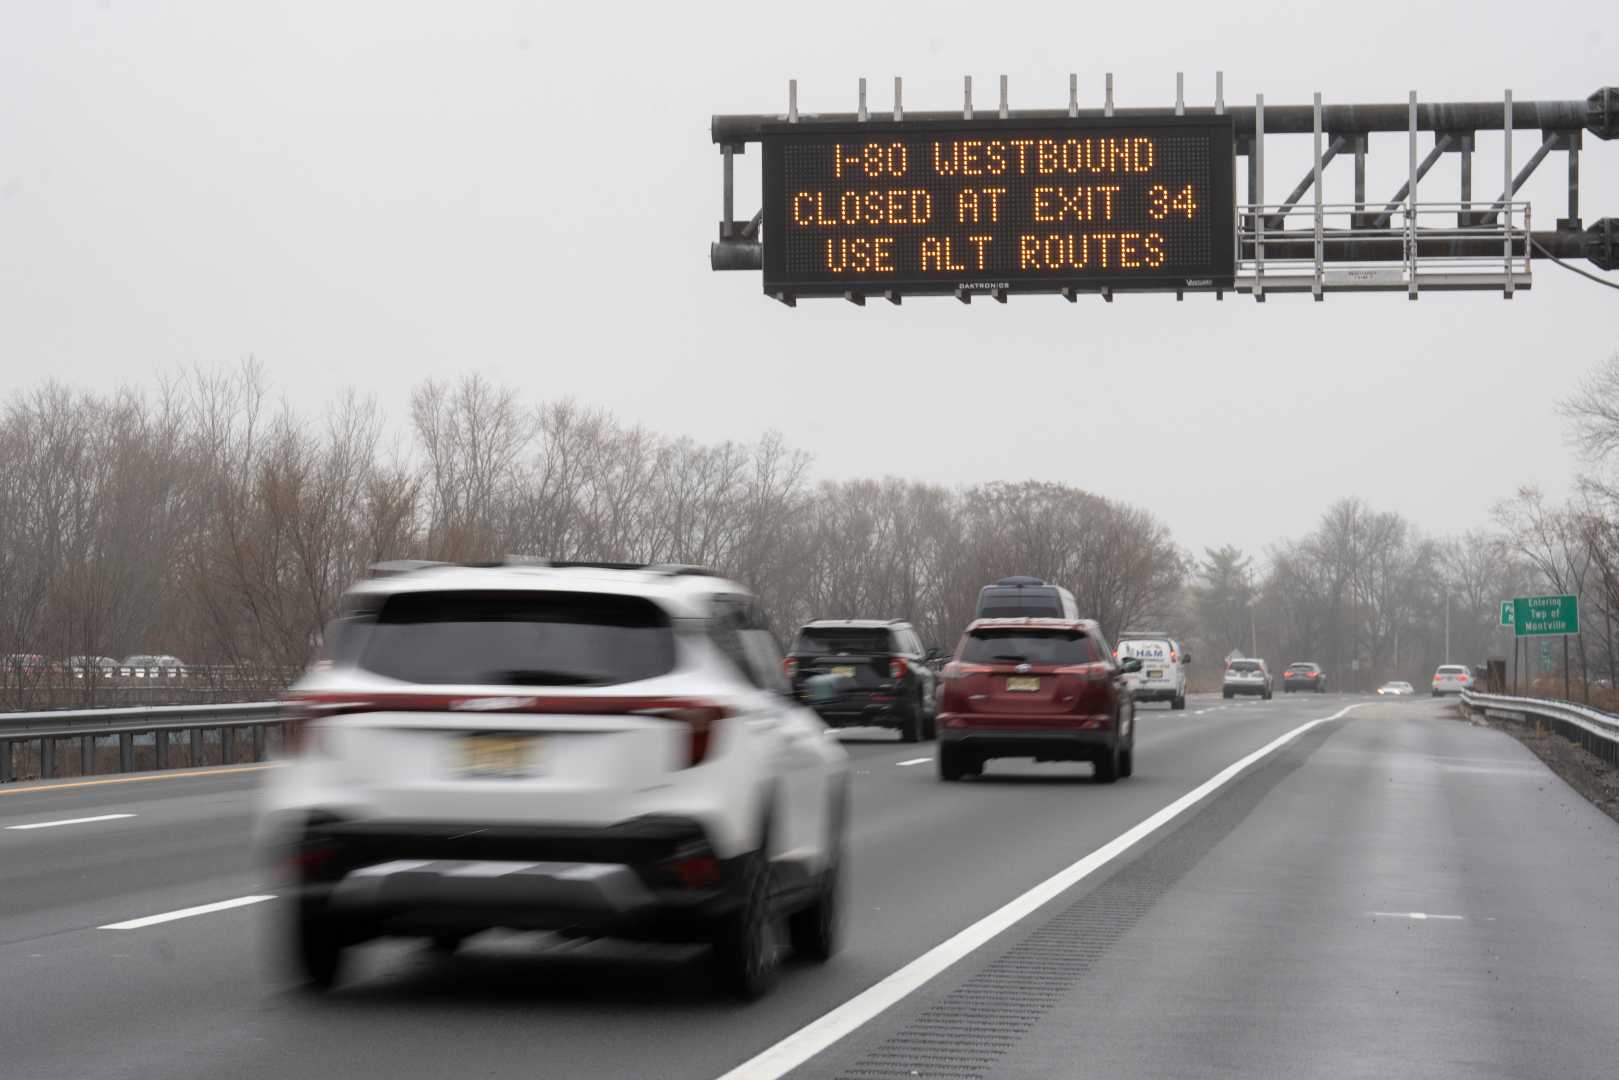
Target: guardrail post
[(126, 752), (5, 761), (196, 747), (227, 744), (258, 742), (160, 745), (47, 757), (87, 755)]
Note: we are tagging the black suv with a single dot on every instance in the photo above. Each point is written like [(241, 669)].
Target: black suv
[(889, 680)]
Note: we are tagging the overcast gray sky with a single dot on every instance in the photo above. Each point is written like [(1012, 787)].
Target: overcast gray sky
[(372, 194)]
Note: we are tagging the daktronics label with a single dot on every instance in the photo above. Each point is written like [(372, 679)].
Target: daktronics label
[(932, 206)]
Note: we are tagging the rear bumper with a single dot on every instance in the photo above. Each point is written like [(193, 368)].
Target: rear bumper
[(423, 878), (1245, 688), (858, 709), (1449, 689), (1304, 684), (1155, 692), (1042, 744)]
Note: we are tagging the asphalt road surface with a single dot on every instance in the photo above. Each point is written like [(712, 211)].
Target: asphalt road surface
[(1391, 893)]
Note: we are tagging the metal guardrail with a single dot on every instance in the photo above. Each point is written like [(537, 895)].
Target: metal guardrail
[(21, 734), (1593, 729)]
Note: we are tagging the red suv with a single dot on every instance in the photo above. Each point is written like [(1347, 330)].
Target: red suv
[(1042, 688)]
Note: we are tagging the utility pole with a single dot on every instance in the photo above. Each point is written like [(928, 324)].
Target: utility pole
[(1447, 625)]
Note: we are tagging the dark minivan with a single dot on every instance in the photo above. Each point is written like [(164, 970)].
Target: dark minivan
[(1025, 598), (887, 680)]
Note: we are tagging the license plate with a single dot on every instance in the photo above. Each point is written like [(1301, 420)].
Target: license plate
[(1025, 683), (1155, 674), (846, 672), (499, 757)]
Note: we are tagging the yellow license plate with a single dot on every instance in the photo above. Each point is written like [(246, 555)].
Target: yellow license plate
[(1155, 674), (1023, 682), (846, 672), (499, 757)]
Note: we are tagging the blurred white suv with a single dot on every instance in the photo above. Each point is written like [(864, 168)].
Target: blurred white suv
[(1451, 679), (597, 750)]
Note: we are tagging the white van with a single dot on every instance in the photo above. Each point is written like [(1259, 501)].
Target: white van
[(1163, 667)]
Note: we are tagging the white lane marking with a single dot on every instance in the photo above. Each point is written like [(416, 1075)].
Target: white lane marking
[(186, 913), (788, 1054), (914, 761), (1414, 915), (69, 821)]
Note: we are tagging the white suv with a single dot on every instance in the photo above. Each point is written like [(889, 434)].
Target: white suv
[(589, 749)]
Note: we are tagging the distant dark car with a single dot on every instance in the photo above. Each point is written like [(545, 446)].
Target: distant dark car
[(888, 675), (1304, 676), (1047, 689), (1026, 598)]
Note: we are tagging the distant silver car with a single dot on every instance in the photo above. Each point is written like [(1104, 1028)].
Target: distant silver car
[(1451, 679), (1396, 689), (1246, 677)]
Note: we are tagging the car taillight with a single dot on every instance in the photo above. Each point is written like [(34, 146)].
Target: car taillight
[(1174, 657), (898, 669), (300, 712), (789, 667), (699, 718)]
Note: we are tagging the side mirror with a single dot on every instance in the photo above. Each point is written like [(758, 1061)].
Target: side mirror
[(824, 689), (1186, 658), (1129, 665), (935, 653)]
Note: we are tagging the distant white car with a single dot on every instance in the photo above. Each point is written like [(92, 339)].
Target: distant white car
[(1396, 689), (1451, 679), (1246, 676), (609, 751)]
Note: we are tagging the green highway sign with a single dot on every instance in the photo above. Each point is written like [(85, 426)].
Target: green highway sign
[(1507, 609), (1538, 616)]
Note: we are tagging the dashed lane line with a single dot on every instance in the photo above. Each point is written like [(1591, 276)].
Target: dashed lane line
[(186, 913), (914, 761), (67, 821)]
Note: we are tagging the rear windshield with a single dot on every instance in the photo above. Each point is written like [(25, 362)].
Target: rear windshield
[(1452, 669), (510, 639), (1244, 665), (1029, 647), (828, 640), (1303, 667), (994, 603)]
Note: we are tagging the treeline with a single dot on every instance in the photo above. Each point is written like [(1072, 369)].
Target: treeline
[(1367, 595), (205, 520)]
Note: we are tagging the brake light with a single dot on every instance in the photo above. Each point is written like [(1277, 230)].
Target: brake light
[(694, 871), (898, 669), (1174, 657), (300, 712), (699, 718), (789, 667)]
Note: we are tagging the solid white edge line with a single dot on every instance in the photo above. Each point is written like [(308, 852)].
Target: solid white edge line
[(914, 761), (68, 821), (802, 1045), (186, 913)]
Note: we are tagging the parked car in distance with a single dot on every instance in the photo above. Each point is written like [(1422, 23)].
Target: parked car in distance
[(1047, 689), (1396, 689), (601, 750), (28, 665), (889, 677), (1304, 676), (1026, 598), (104, 667), (1244, 676), (1451, 679), (1163, 666), (153, 666)]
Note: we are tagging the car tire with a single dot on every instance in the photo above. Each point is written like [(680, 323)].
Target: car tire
[(1178, 703), (446, 944), (745, 953), (1226, 694), (1321, 689), (951, 764), (1107, 766), (317, 946), (1127, 761), (929, 730), (1267, 695), (910, 727), (813, 931)]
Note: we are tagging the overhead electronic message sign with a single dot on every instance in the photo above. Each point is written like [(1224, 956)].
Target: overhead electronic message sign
[(932, 206)]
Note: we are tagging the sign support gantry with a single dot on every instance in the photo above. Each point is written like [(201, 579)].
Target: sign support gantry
[(834, 224)]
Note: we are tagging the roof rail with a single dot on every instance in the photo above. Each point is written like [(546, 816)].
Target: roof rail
[(390, 567), (668, 569)]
